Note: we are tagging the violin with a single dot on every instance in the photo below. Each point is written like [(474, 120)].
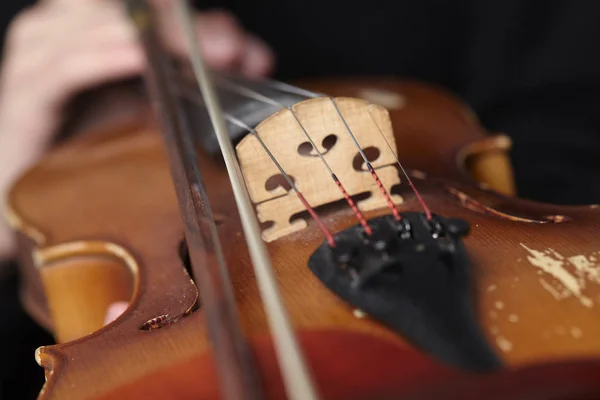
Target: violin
[(271, 244)]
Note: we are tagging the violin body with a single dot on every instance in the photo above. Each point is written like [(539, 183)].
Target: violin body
[(98, 222)]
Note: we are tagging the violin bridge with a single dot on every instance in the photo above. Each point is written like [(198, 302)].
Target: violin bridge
[(285, 135)]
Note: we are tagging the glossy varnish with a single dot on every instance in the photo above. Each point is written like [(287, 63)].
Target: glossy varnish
[(99, 222)]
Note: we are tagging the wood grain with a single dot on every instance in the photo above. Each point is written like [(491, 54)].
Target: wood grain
[(534, 276), (284, 134)]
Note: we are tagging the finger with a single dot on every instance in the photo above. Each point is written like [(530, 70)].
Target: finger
[(46, 78), (90, 67), (258, 59), (47, 91), (100, 36), (226, 46), (77, 3), (45, 31), (109, 49), (220, 38), (114, 311)]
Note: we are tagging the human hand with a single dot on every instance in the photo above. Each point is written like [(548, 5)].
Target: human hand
[(61, 47), (114, 311)]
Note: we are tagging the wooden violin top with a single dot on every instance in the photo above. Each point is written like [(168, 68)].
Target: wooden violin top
[(99, 222)]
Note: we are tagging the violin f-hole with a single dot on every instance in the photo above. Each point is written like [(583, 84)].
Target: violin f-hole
[(81, 280), (308, 150), (372, 154)]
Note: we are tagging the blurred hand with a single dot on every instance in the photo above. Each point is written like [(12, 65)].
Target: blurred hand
[(61, 47), (114, 311)]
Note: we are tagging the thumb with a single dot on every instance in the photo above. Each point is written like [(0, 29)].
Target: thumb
[(114, 311)]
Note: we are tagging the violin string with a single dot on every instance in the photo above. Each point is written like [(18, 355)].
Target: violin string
[(277, 85), (298, 382), (251, 94), (386, 195), (240, 124), (284, 87), (414, 189), (312, 212), (265, 99), (359, 215)]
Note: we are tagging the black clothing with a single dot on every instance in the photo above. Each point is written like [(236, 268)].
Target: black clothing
[(528, 68)]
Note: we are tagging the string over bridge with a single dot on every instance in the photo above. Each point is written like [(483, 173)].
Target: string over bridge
[(283, 133)]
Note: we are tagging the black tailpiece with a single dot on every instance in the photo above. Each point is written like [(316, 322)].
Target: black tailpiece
[(411, 275)]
